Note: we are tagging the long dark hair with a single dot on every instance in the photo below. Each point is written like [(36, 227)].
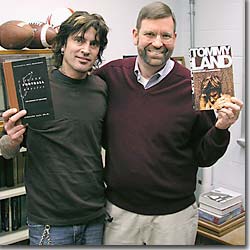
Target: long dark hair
[(80, 21)]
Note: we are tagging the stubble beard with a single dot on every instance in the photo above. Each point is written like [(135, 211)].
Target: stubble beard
[(155, 61)]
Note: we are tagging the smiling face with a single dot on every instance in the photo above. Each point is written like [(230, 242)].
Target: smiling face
[(80, 54), (155, 41)]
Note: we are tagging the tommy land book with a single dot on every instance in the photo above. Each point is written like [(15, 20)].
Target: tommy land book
[(220, 198), (27, 87), (212, 76)]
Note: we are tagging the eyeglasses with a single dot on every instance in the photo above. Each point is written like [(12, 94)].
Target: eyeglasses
[(164, 38)]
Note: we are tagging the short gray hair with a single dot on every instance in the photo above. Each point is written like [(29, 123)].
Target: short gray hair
[(155, 10)]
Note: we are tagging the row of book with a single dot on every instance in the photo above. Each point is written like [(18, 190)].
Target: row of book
[(13, 213), (220, 211), (12, 170), (13, 210)]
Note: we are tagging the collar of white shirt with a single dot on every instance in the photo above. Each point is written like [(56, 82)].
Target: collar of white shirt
[(156, 78)]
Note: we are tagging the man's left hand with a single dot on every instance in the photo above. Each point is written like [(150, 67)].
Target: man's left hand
[(229, 114)]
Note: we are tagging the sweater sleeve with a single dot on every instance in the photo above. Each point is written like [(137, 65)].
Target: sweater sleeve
[(7, 150), (211, 143)]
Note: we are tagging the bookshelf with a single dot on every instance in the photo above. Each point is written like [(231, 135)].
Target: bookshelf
[(12, 192), (12, 201), (14, 237), (11, 236), (17, 190)]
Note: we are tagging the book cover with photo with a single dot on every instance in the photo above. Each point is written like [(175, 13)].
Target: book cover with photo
[(212, 76)]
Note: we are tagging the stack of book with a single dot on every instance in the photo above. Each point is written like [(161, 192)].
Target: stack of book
[(220, 211)]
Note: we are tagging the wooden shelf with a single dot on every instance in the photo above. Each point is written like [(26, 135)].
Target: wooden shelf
[(24, 51), (235, 237), (8, 238), (6, 193)]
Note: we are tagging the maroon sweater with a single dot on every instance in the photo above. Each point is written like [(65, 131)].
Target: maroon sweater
[(155, 141)]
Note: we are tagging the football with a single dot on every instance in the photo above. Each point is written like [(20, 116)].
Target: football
[(15, 34), (43, 35)]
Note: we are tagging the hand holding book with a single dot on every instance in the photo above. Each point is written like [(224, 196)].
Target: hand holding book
[(229, 113), (212, 83), (10, 143)]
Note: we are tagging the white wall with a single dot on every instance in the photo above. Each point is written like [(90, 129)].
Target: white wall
[(119, 15), (217, 22), (223, 22)]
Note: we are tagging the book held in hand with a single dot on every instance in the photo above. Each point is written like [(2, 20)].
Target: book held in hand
[(27, 87), (212, 76)]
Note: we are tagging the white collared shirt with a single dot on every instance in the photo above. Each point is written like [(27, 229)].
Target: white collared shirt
[(156, 78)]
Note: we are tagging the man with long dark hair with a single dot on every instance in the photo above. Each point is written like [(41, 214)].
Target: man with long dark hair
[(64, 174)]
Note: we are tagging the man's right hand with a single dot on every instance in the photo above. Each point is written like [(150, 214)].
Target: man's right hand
[(12, 125)]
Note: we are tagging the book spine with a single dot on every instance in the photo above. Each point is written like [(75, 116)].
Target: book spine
[(192, 82), (21, 161), (14, 213), (218, 211), (23, 211), (5, 215), (2, 172), (220, 220), (9, 172), (10, 85)]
